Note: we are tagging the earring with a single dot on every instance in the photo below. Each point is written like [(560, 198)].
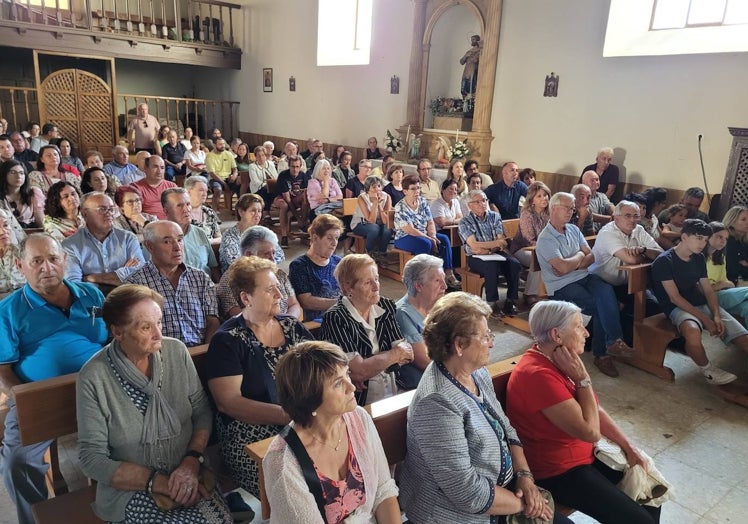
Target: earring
[(314, 413)]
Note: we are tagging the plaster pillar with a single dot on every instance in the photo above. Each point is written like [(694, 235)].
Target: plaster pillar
[(416, 77), (487, 70)]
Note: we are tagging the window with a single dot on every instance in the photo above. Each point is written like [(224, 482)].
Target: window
[(676, 27), (49, 5), (677, 14), (344, 32)]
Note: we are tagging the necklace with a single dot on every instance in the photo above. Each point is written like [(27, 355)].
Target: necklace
[(340, 437), (533, 350)]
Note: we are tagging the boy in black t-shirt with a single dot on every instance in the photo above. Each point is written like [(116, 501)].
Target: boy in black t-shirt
[(679, 280)]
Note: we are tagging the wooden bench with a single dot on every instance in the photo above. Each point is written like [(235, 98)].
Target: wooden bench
[(390, 419), (47, 411), (402, 259)]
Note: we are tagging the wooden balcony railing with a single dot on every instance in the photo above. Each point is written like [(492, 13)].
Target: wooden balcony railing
[(19, 106), (203, 22), (201, 114)]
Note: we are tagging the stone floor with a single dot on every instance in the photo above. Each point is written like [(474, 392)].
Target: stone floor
[(699, 442)]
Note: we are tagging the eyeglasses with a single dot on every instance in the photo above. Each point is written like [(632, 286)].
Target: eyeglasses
[(630, 216), (567, 208), (104, 210), (481, 201), (132, 202), (426, 169), (145, 123), (417, 188), (489, 336), (14, 207)]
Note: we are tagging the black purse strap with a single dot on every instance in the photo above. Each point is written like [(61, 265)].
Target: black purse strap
[(307, 467)]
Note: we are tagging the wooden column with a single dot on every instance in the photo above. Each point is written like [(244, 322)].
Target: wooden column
[(487, 69), (417, 76)]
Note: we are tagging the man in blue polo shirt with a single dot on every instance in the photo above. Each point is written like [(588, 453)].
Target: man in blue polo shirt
[(504, 195), (49, 327)]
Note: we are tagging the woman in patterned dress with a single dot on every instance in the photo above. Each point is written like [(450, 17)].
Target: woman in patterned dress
[(340, 440), (240, 366), (144, 420), (62, 210)]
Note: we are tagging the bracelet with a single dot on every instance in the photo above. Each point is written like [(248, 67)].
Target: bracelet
[(149, 483), (524, 473)]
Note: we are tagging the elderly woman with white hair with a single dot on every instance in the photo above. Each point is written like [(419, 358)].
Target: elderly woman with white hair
[(262, 242), (425, 283), (554, 408), (323, 191), (201, 215)]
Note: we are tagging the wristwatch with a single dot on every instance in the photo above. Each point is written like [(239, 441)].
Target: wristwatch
[(585, 383), (195, 454)]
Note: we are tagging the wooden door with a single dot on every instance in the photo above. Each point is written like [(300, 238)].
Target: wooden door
[(81, 105)]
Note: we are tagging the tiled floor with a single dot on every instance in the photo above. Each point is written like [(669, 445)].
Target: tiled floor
[(699, 442)]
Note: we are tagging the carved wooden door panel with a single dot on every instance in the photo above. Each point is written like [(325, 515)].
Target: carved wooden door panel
[(81, 105)]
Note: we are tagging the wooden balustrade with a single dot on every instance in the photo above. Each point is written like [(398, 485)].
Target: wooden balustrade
[(200, 114), (19, 106), (204, 22)]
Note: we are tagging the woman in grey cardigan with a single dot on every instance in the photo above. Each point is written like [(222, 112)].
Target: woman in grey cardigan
[(464, 461), (144, 420)]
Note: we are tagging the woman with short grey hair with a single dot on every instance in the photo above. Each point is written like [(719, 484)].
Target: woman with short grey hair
[(423, 277), (556, 412)]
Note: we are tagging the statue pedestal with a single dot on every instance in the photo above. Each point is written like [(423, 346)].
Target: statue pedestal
[(453, 122)]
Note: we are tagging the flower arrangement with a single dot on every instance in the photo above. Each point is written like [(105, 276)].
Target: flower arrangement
[(442, 105), (392, 143), (459, 149)]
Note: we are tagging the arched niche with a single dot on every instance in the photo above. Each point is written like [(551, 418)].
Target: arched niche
[(447, 38), (426, 22)]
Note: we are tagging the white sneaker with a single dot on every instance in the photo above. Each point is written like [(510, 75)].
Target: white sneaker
[(718, 377)]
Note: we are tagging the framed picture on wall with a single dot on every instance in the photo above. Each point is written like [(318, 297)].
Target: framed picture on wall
[(267, 79)]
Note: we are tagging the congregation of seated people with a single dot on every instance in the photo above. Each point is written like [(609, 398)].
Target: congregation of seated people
[(121, 264)]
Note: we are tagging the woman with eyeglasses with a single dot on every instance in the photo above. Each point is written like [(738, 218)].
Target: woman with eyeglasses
[(415, 230), (17, 195), (129, 199), (464, 461), (240, 365), (62, 215)]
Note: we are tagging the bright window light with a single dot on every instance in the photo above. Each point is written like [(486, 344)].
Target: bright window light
[(344, 32), (670, 13), (48, 4), (706, 12), (660, 27)]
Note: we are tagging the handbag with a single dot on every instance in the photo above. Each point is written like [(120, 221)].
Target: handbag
[(205, 477), (610, 454), (521, 518)]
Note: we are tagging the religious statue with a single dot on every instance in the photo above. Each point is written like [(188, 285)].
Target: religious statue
[(551, 85), (415, 146), (470, 74), (442, 152)]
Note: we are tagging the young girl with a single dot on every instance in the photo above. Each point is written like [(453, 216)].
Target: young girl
[(672, 226), (733, 299)]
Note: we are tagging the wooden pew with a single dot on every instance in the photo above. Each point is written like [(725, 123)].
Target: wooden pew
[(47, 411), (390, 419)]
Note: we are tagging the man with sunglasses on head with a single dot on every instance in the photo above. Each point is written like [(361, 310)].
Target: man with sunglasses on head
[(142, 130), (100, 253)]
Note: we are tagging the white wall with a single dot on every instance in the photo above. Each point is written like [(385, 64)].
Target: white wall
[(650, 108), (336, 104)]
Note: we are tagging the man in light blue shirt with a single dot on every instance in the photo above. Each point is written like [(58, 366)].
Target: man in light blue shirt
[(198, 252), (564, 257), (48, 328), (99, 253), (121, 169)]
